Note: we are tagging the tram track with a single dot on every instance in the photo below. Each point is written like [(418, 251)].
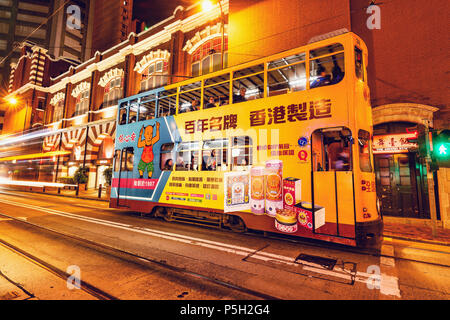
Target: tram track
[(123, 254), (295, 240), (84, 286)]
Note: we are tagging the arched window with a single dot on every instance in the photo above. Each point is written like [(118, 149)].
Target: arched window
[(59, 110), (113, 92), (155, 75), (208, 57), (82, 105)]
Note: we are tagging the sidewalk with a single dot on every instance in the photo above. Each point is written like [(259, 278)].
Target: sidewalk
[(417, 233), (90, 194)]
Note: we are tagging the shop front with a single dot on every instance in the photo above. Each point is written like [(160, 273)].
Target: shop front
[(400, 172)]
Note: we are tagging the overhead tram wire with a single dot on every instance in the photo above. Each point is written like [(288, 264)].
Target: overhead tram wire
[(32, 32)]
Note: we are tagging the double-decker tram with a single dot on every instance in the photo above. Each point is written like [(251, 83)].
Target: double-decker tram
[(281, 144)]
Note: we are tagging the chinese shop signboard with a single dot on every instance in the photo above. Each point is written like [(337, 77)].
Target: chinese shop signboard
[(393, 143)]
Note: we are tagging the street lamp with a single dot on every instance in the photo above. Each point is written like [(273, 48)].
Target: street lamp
[(207, 5), (12, 101)]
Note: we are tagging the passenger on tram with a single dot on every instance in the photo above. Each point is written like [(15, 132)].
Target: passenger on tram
[(168, 165), (241, 96), (192, 165), (224, 101), (195, 105), (180, 162), (123, 120), (209, 162), (338, 74), (211, 103), (323, 79)]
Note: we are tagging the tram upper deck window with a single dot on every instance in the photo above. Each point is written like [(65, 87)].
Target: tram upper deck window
[(216, 91), (286, 75), (190, 97), (331, 149), (364, 146), (326, 65), (248, 83), (167, 103), (359, 66), (133, 111), (147, 109), (123, 114)]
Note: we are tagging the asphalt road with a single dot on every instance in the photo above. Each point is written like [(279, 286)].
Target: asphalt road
[(264, 266)]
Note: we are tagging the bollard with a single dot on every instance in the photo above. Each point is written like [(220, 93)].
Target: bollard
[(77, 190), (59, 190), (99, 191)]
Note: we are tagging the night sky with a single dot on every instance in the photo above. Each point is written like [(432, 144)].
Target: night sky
[(154, 11)]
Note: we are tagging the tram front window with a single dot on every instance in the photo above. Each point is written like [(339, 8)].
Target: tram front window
[(331, 149)]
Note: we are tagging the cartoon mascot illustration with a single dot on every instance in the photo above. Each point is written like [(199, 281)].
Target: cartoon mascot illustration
[(147, 141)]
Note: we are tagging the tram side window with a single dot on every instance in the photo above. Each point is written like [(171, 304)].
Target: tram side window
[(127, 159), (132, 113), (187, 156), (123, 114), (241, 153), (286, 75), (189, 101), (331, 149), (216, 91), (364, 146), (167, 156), (326, 66), (147, 110), (117, 161), (359, 64), (214, 155), (248, 84), (167, 103)]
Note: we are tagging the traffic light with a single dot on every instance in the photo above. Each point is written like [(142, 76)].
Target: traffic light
[(441, 148), (418, 136)]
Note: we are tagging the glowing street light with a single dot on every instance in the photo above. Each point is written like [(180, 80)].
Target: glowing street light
[(12, 101), (207, 5)]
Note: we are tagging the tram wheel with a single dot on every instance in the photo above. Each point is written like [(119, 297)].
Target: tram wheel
[(237, 224), (168, 216)]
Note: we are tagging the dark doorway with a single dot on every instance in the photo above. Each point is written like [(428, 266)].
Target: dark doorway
[(401, 177), (401, 185)]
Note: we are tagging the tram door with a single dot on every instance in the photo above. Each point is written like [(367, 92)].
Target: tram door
[(397, 184), (332, 181), (125, 176)]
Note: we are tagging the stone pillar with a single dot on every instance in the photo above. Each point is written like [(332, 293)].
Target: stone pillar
[(444, 195)]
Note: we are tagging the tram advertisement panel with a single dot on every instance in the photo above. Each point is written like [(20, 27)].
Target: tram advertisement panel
[(255, 160)]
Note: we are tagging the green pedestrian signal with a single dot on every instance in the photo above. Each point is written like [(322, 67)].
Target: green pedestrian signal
[(441, 148)]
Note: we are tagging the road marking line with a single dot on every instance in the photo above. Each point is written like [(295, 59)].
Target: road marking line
[(388, 280)]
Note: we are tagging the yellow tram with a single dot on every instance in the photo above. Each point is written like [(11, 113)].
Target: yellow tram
[(279, 144)]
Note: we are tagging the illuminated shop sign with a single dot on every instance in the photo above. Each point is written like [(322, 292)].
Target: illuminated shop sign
[(394, 143)]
